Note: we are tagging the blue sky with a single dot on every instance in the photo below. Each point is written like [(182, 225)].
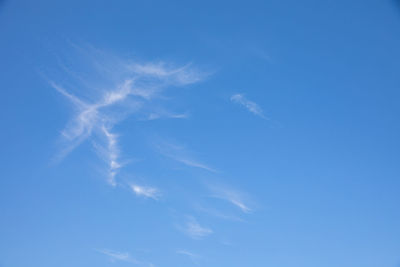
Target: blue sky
[(200, 133)]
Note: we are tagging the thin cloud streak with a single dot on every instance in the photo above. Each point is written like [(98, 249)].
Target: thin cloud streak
[(218, 214), (166, 115), (193, 257), (234, 197), (249, 105), (177, 76), (187, 253), (194, 230), (113, 155), (192, 163), (181, 155), (123, 256)]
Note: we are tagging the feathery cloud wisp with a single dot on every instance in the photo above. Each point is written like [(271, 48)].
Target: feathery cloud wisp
[(162, 114), (249, 105), (217, 213), (145, 191), (193, 229), (193, 163), (232, 196), (193, 257), (180, 154), (123, 256), (177, 76), (113, 155), (132, 88)]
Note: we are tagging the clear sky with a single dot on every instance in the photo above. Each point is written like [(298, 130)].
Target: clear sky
[(200, 133)]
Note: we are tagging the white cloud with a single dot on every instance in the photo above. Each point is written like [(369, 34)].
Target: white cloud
[(113, 155), (132, 89), (218, 214), (76, 101), (193, 257), (123, 256), (193, 163), (180, 154), (173, 75), (234, 197), (146, 191), (117, 95), (166, 115), (187, 253), (249, 105), (193, 229)]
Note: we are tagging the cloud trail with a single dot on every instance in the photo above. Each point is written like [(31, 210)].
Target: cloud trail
[(234, 197), (192, 256), (123, 256), (162, 114), (181, 155), (178, 76), (194, 230), (113, 155), (218, 214), (193, 163), (249, 105)]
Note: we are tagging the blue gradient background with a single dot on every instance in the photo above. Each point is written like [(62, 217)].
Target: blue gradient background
[(323, 171)]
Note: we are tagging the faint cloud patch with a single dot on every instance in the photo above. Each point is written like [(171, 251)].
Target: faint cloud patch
[(181, 154), (115, 256), (193, 229), (218, 214), (192, 256), (249, 105), (234, 197), (146, 191)]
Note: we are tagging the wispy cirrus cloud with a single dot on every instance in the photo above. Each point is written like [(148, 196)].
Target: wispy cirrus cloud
[(92, 121), (180, 154), (178, 76), (146, 191), (234, 197), (112, 155), (123, 256), (193, 229), (217, 213), (192, 256), (193, 163), (249, 105), (129, 88), (162, 114)]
